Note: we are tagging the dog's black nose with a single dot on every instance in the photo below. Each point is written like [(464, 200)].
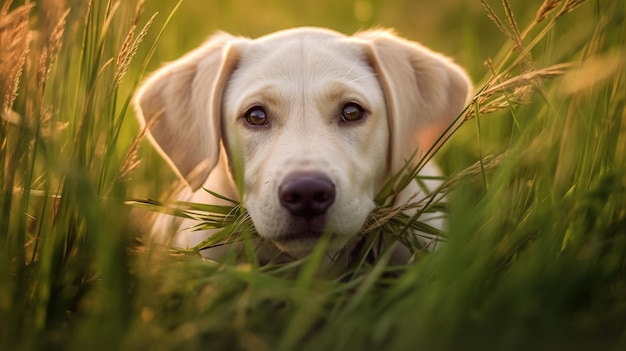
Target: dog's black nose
[(307, 195)]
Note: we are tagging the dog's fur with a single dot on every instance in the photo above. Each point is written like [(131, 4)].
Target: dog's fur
[(197, 111)]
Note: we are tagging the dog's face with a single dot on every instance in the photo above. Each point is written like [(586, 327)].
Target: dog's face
[(317, 122), (307, 115)]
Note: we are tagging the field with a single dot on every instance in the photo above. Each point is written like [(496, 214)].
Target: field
[(535, 254)]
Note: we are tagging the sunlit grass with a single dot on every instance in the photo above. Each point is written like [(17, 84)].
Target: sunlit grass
[(535, 252)]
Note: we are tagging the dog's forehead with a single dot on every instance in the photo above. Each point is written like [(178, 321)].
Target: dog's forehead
[(316, 63), (304, 51)]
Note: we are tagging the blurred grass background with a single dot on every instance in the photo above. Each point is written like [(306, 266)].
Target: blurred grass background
[(536, 256)]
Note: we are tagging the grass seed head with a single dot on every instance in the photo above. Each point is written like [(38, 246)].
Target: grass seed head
[(15, 40)]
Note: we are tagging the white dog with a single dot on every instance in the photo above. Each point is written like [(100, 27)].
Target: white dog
[(319, 120)]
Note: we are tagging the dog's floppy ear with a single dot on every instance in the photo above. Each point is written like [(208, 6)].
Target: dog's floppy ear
[(424, 92), (180, 105)]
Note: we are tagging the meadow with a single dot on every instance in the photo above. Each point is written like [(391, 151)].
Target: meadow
[(535, 252)]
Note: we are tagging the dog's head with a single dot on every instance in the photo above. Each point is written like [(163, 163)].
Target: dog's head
[(318, 120)]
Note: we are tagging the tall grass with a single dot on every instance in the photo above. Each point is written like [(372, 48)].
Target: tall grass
[(536, 250)]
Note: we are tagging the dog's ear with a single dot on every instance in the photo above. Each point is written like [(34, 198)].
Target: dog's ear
[(180, 107), (424, 92)]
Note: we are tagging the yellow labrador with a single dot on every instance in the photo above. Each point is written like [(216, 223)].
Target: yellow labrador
[(320, 121)]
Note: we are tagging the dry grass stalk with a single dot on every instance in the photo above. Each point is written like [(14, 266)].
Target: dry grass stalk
[(528, 78), (517, 38), (14, 47), (51, 48), (502, 91), (138, 11), (378, 219), (546, 8), (515, 35), (569, 6), (131, 161), (382, 215), (129, 47), (519, 96)]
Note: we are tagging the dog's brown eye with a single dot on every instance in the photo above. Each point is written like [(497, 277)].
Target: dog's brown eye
[(352, 112), (256, 116)]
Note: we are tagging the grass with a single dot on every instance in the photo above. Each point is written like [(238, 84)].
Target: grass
[(536, 247)]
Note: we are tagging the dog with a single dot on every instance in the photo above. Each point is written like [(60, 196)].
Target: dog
[(318, 120)]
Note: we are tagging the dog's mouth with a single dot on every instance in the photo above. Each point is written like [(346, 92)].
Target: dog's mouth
[(300, 244)]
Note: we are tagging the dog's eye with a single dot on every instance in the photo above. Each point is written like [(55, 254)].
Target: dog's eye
[(256, 116), (352, 112)]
